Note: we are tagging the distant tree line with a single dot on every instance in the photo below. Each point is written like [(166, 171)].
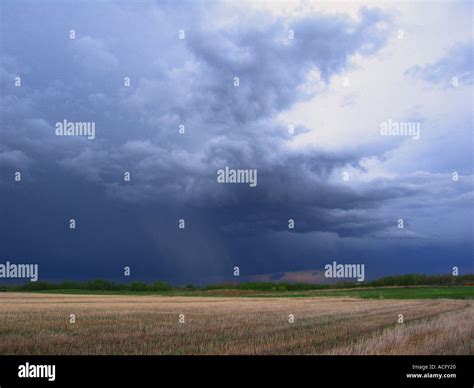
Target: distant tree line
[(158, 286), (422, 280), (396, 280), (93, 285)]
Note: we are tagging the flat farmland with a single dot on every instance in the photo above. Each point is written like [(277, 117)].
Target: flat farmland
[(34, 323)]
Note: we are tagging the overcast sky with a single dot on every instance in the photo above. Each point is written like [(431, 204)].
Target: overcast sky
[(336, 73)]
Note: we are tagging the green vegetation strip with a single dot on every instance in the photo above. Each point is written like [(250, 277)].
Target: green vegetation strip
[(451, 292), (412, 286)]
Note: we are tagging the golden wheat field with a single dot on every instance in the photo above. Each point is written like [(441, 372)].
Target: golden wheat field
[(41, 324)]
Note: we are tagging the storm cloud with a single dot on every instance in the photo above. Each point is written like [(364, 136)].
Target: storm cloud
[(128, 71)]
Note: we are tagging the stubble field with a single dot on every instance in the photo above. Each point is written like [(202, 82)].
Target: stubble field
[(32, 323)]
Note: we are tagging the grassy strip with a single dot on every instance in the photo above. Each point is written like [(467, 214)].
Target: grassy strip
[(105, 285), (447, 292)]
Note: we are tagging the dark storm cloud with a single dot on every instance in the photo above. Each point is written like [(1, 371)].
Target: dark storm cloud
[(186, 82), (192, 84), (270, 67)]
